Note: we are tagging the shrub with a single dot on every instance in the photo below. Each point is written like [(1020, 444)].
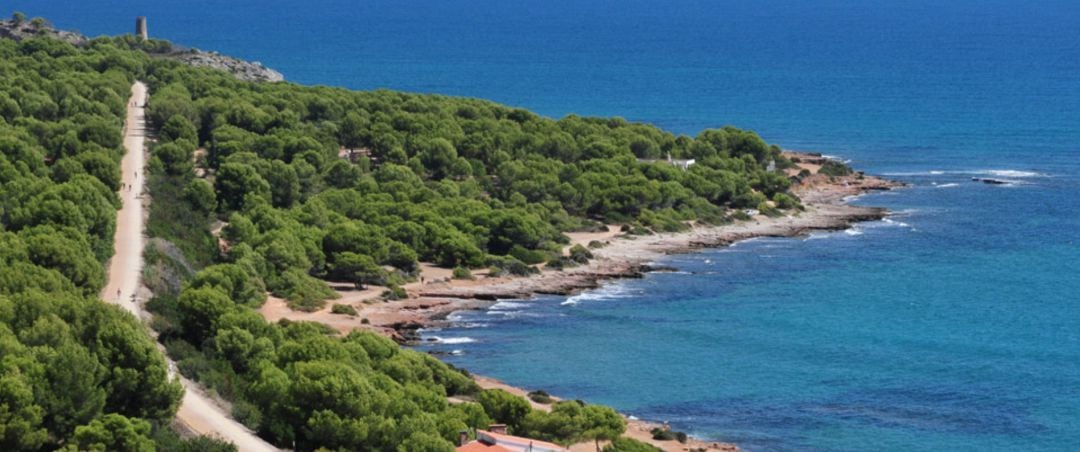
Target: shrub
[(365, 321), (635, 229), (625, 444), (768, 210), (343, 309), (596, 244), (303, 292), (540, 397), (661, 434), (526, 255), (834, 168), (786, 201), (462, 273), (395, 292), (510, 266), (562, 262), (681, 437), (580, 254)]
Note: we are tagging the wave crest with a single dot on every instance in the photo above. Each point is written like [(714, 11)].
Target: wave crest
[(1014, 173)]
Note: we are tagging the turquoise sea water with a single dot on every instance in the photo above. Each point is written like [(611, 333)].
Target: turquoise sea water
[(954, 325)]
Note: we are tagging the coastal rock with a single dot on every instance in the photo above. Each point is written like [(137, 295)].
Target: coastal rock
[(250, 71), (648, 268), (29, 29), (987, 180)]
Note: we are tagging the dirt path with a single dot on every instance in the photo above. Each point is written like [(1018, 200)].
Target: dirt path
[(126, 263), (197, 413)]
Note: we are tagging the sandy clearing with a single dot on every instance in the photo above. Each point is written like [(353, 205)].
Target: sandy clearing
[(583, 238)]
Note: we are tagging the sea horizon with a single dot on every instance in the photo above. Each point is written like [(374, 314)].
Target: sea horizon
[(951, 324)]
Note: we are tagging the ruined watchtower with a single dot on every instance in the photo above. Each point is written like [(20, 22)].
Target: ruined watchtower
[(140, 28)]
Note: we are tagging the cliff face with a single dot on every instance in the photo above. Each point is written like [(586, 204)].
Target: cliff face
[(243, 70)]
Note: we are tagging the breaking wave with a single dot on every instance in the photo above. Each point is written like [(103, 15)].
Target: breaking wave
[(508, 305), (608, 292), (982, 172), (451, 340)]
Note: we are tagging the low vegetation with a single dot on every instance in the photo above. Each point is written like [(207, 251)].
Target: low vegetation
[(630, 445), (540, 397), (343, 309)]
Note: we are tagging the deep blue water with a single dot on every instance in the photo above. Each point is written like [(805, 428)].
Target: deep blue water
[(954, 325)]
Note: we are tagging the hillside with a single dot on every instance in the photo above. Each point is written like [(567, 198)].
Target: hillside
[(310, 184)]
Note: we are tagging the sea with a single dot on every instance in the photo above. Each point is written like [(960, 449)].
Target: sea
[(953, 324)]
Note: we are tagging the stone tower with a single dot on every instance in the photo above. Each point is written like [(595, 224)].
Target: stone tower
[(140, 28)]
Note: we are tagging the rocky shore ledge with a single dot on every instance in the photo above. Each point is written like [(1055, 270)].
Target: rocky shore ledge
[(251, 71), (626, 256)]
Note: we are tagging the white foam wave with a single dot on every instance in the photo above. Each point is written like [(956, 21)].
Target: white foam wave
[(1012, 173), (853, 232), (508, 305), (910, 173), (455, 317), (514, 314), (979, 172), (473, 325), (441, 340), (608, 292), (949, 185), (836, 158), (891, 222), (741, 242)]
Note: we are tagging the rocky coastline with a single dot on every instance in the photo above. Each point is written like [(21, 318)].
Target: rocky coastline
[(251, 71), (626, 256)]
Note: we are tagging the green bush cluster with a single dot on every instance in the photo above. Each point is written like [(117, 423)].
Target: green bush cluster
[(630, 445), (395, 292), (75, 373), (664, 434), (568, 422), (343, 309), (835, 168), (462, 273), (580, 254), (540, 397), (447, 180)]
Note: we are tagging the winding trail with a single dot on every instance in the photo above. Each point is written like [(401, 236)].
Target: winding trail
[(197, 412)]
